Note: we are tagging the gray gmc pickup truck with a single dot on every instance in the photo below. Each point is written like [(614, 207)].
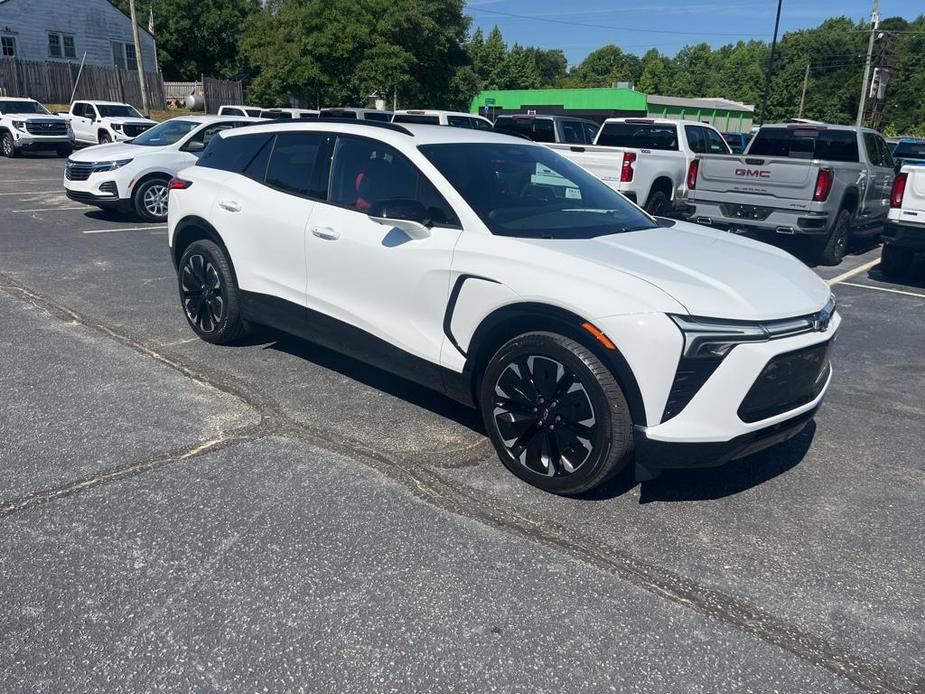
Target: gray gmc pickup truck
[(825, 182)]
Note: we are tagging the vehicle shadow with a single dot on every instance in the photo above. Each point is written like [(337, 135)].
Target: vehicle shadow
[(704, 484), (371, 376)]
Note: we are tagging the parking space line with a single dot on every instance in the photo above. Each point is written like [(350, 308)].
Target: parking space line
[(53, 209), (153, 227), (883, 289), (851, 273)]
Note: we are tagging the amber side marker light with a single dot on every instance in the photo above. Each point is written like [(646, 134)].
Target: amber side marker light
[(601, 337)]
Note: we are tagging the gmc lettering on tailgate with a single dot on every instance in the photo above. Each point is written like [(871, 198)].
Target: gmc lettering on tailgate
[(753, 173)]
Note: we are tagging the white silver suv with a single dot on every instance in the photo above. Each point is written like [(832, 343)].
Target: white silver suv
[(133, 176), (101, 122), (503, 275), (27, 126)]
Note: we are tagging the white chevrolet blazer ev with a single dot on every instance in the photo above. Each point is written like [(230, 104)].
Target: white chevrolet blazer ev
[(589, 334)]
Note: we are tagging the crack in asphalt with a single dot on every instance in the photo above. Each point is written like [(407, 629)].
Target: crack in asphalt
[(430, 487)]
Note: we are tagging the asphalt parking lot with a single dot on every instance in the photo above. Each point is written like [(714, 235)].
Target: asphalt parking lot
[(272, 515)]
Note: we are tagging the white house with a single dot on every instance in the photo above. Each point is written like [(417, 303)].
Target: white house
[(64, 29)]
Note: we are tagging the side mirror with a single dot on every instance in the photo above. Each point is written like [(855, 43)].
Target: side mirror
[(408, 215), (194, 146)]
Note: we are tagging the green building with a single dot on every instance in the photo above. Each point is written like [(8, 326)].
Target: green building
[(614, 102)]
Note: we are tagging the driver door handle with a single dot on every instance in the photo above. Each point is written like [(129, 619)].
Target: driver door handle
[(326, 233), (229, 205)]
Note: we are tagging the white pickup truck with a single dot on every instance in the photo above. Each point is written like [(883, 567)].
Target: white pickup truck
[(99, 122), (646, 159), (904, 235), (26, 125)]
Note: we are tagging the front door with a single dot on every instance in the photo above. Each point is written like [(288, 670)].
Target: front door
[(374, 276), (82, 122)]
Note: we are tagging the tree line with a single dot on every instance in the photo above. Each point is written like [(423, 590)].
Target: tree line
[(422, 53)]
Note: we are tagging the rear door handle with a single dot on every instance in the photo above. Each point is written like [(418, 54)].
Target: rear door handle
[(325, 233), (229, 205)]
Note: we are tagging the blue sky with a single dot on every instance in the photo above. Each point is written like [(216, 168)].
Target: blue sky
[(690, 21)]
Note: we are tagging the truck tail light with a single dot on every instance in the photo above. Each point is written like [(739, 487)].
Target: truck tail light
[(823, 185), (626, 171), (899, 189), (692, 170), (178, 184)]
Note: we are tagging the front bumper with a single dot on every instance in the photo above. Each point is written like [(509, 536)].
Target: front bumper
[(36, 143), (99, 190), (735, 217)]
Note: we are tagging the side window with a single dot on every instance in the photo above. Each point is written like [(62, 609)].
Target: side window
[(590, 132), (885, 157), (480, 124), (572, 132), (695, 139), (714, 142), (457, 121), (292, 163), (208, 132), (544, 130), (870, 146), (234, 153), (256, 168), (231, 111), (365, 172)]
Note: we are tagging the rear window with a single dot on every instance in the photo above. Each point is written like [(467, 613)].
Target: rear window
[(232, 153), (537, 129), (639, 136), (338, 113), (275, 115), (806, 143), (910, 150), (380, 116), (415, 118)]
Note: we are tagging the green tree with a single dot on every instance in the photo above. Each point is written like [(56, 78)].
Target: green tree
[(655, 73), (606, 65)]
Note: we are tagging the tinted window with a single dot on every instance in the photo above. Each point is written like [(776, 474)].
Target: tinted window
[(639, 136), (572, 132), (117, 111), (292, 163), (910, 150), (885, 155), (381, 116), (805, 143), (275, 115), (83, 111), (253, 112), (257, 167), (415, 118), (205, 134), (365, 172), (530, 191), (870, 146), (590, 132), (458, 121), (481, 124), (166, 133), (226, 111), (233, 153), (713, 142), (22, 107), (537, 129), (695, 139), (338, 113), (308, 116)]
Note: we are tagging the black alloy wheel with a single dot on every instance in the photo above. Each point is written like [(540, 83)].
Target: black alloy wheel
[(209, 294), (555, 414)]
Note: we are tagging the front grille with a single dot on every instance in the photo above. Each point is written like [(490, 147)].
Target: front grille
[(135, 130), (78, 170), (46, 127), (788, 381), (751, 212)]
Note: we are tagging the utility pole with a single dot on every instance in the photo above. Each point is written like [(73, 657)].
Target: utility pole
[(874, 21), (141, 67), (770, 71), (803, 93)]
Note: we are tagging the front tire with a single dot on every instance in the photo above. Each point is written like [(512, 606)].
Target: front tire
[(7, 146), (103, 137), (832, 249), (555, 414), (209, 294), (150, 200)]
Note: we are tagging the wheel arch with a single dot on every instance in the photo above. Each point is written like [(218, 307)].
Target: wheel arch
[(661, 183), (512, 320), (191, 229), (147, 177)]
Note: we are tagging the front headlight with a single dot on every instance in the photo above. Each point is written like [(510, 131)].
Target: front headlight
[(100, 166), (20, 125), (706, 338)]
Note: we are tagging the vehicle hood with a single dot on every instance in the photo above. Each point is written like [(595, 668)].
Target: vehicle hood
[(132, 121), (111, 152), (711, 273)]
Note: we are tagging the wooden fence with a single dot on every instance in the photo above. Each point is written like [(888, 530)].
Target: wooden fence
[(221, 93), (52, 82)]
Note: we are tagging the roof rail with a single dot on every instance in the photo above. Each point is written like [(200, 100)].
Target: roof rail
[(345, 121)]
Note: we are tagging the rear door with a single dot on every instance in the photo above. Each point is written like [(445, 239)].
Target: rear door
[(881, 174), (373, 276), (82, 117)]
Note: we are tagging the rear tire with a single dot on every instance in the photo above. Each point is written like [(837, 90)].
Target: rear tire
[(832, 249), (209, 294), (150, 200), (896, 262), (7, 146), (555, 414), (658, 204)]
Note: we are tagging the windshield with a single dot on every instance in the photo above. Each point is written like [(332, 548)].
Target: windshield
[(530, 191), (117, 111), (910, 150), (806, 143), (639, 136), (23, 107), (166, 133)]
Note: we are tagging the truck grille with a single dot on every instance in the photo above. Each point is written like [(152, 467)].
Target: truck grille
[(77, 170), (787, 381), (46, 127), (752, 212), (135, 130)]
